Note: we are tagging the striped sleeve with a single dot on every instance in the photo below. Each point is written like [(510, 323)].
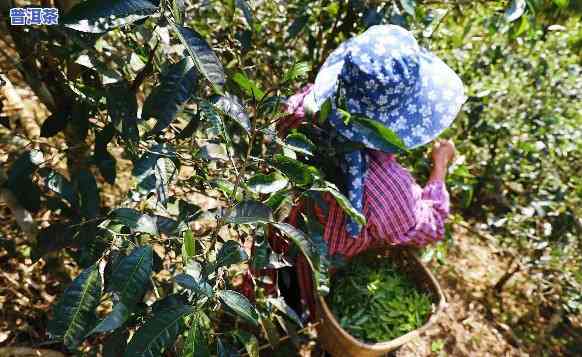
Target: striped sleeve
[(431, 212)]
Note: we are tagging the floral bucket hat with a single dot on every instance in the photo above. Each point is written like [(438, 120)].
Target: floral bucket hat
[(384, 75)]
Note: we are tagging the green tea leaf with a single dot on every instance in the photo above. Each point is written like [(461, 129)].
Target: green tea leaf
[(230, 253), (300, 143), (188, 247), (280, 304), (248, 86), (239, 304), (250, 212), (107, 166), (114, 345), (270, 183), (231, 106), (155, 170), (89, 200), (378, 134), (20, 182), (53, 238), (74, 313), (249, 341), (270, 331), (159, 332), (114, 320), (98, 16), (297, 26), (225, 350), (247, 11), (196, 344), (297, 172), (409, 6), (261, 254), (54, 124), (178, 83), (122, 108), (204, 57), (344, 203), (131, 278), (298, 70), (304, 243), (189, 282)]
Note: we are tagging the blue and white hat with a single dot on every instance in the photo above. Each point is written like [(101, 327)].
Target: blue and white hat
[(384, 75)]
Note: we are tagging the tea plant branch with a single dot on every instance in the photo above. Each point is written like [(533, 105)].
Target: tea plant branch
[(240, 175), (284, 338), (146, 71), (498, 287), (156, 292)]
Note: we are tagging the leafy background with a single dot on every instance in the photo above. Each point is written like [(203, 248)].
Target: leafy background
[(141, 174)]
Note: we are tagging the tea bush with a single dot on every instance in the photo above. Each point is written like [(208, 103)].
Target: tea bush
[(167, 100)]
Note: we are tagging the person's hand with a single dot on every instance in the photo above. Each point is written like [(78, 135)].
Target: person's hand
[(443, 152)]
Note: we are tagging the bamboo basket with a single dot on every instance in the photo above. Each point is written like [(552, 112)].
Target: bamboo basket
[(339, 343)]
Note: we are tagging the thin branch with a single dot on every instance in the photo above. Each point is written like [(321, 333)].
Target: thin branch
[(146, 71)]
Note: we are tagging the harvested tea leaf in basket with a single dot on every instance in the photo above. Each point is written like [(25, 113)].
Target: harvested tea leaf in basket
[(376, 302)]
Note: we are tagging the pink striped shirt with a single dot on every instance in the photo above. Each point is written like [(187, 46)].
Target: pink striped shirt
[(398, 211)]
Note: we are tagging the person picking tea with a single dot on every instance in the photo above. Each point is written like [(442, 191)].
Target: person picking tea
[(383, 75)]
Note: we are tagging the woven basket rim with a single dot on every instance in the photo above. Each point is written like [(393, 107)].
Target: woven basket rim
[(398, 341)]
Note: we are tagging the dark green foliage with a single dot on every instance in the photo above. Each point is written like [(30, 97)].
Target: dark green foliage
[(378, 134), (225, 350), (246, 9), (204, 57), (98, 16), (115, 344), (197, 342), (248, 212), (177, 84), (20, 181), (154, 170), (344, 203), (54, 238), (198, 287), (230, 253), (115, 319), (309, 250), (239, 304), (74, 313), (300, 143), (297, 172), (54, 124), (376, 302), (159, 332), (281, 305), (135, 220), (231, 106), (122, 108), (89, 201), (131, 277), (104, 160)]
